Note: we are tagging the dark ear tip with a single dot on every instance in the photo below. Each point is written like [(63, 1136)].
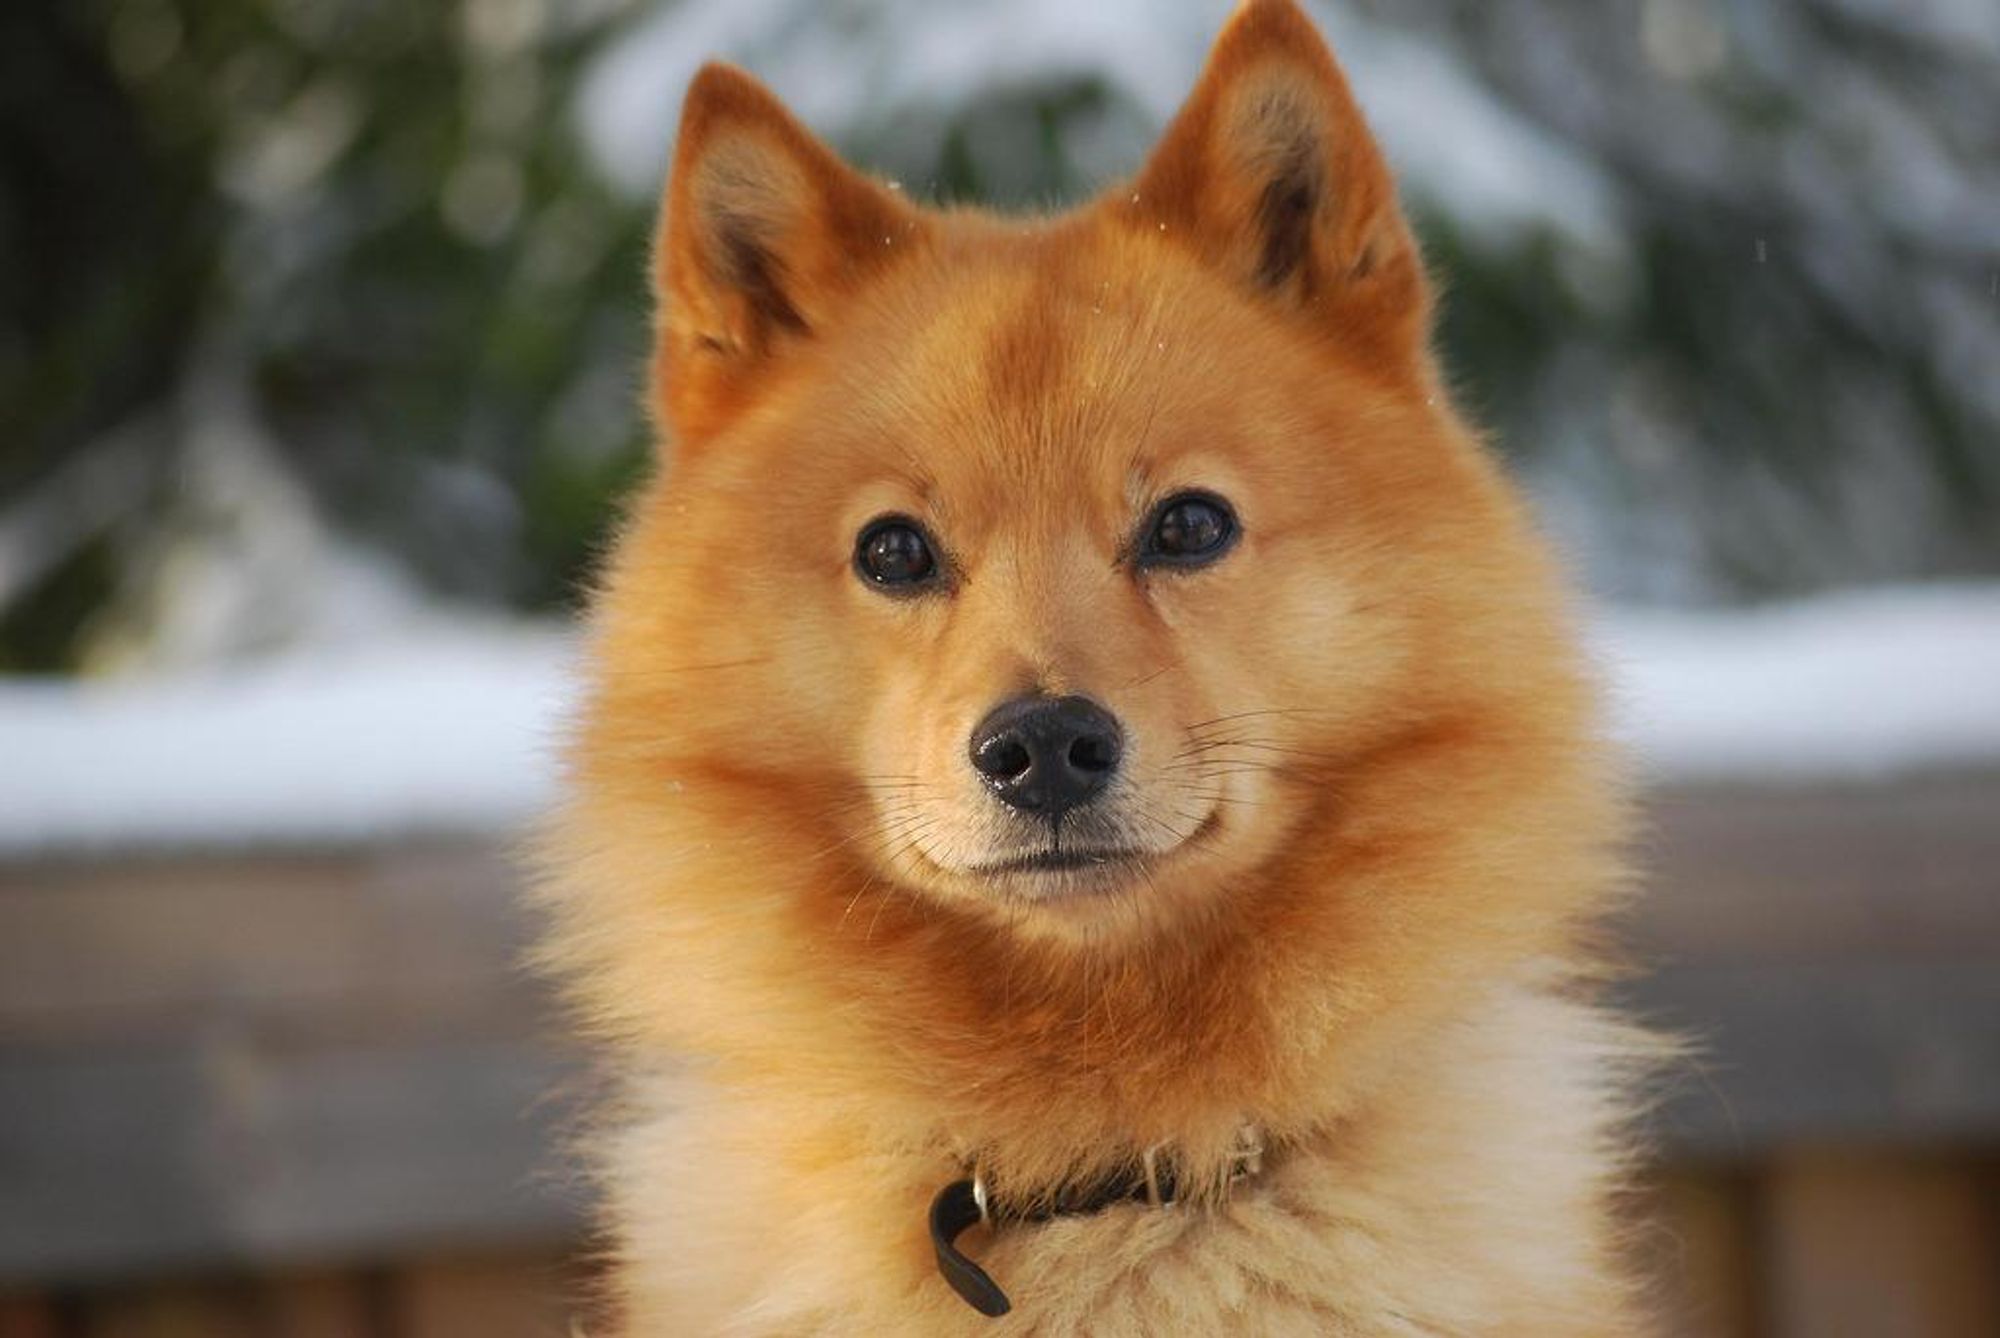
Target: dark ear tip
[(1273, 28), (720, 79), (721, 91), (1272, 19), (1267, 10)]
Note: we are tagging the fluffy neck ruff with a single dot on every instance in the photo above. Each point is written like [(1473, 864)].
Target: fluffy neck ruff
[(1456, 863)]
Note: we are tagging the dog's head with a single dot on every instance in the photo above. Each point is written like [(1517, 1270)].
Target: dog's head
[(1058, 572)]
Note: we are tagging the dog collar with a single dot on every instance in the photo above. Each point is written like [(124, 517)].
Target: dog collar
[(1153, 1181)]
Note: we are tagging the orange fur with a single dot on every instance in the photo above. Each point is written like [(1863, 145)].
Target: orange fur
[(1362, 744)]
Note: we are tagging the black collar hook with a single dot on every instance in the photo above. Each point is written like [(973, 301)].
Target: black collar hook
[(958, 1206)]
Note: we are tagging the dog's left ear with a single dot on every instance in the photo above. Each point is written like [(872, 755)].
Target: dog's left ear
[(1270, 172)]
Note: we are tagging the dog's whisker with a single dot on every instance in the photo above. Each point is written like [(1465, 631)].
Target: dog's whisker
[(753, 661), (908, 848), (887, 833), (1226, 748), (1180, 837), (893, 848), (889, 824), (1247, 715), (852, 901)]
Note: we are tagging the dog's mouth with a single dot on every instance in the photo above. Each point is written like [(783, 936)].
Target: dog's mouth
[(1058, 860), (1064, 869)]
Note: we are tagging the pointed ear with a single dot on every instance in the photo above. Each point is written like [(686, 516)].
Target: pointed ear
[(1269, 171), (764, 231)]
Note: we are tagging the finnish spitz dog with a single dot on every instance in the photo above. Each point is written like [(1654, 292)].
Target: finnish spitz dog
[(1087, 815)]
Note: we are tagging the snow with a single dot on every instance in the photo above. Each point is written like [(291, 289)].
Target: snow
[(839, 66), (444, 730), (1862, 685), (449, 727)]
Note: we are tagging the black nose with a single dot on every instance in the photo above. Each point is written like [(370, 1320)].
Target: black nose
[(1047, 754)]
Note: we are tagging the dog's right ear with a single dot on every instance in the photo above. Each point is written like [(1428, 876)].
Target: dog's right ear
[(764, 232)]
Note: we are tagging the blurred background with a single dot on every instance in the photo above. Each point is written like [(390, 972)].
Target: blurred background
[(321, 329)]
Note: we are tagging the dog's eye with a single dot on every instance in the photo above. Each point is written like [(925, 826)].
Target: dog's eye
[(894, 551), (1187, 529)]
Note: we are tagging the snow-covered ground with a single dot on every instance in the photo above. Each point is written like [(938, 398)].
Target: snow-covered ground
[(1865, 684), (453, 729)]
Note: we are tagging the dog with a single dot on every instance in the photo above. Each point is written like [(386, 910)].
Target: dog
[(1087, 814)]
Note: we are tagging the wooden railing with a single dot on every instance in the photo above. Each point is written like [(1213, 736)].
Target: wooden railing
[(314, 1093)]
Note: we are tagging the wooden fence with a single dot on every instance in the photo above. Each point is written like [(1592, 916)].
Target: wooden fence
[(310, 1093)]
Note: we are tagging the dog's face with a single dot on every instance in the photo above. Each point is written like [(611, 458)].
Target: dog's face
[(1051, 571)]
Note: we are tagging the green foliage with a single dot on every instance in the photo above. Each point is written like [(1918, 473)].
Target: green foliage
[(372, 219), (369, 229)]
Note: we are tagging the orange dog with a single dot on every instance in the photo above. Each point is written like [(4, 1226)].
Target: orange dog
[(1083, 737)]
